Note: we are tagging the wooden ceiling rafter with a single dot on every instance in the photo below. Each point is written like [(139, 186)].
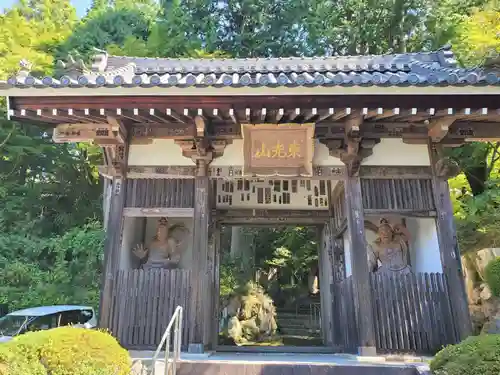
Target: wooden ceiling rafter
[(453, 125)]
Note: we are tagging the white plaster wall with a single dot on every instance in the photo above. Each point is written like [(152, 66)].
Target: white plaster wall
[(132, 235), (233, 156), (393, 151), (160, 152), (151, 226), (424, 245), (347, 255)]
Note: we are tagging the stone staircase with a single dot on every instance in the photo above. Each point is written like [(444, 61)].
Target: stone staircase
[(302, 320), (297, 324)]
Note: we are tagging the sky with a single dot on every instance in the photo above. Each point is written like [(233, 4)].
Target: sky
[(80, 5)]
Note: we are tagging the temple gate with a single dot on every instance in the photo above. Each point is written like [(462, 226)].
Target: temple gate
[(352, 145)]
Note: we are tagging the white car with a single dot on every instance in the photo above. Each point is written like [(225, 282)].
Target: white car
[(45, 317)]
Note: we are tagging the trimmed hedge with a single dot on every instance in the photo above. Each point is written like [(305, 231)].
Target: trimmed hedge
[(492, 276), (476, 355), (64, 351)]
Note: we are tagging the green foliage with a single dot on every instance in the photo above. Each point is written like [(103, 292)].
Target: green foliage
[(50, 208), (477, 38), (296, 250), (229, 278), (64, 351), (477, 218), (110, 28), (45, 271), (492, 276), (477, 355)]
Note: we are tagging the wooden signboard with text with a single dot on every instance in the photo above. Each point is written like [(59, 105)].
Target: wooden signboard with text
[(278, 150)]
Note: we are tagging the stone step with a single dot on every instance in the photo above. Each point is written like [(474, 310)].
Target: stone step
[(292, 316), (256, 368), (281, 364), (303, 332), (301, 320), (282, 326)]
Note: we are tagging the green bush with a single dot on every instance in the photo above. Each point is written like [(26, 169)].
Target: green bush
[(477, 355), (492, 276), (64, 351)]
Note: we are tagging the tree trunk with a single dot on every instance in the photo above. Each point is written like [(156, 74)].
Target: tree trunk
[(476, 177), (236, 243)]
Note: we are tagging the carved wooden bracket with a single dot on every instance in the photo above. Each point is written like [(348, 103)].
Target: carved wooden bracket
[(353, 148), (351, 151), (202, 151), (115, 161)]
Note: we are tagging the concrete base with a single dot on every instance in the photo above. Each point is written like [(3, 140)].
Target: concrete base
[(368, 351), (196, 348)]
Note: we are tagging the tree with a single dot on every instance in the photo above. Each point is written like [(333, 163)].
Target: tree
[(121, 26)]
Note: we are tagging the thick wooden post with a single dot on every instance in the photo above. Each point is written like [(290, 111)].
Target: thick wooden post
[(448, 245), (213, 312), (112, 249), (201, 293), (359, 262)]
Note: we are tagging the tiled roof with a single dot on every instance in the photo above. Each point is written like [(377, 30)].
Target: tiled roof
[(410, 69)]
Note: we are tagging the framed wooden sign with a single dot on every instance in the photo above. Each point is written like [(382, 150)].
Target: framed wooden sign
[(278, 150)]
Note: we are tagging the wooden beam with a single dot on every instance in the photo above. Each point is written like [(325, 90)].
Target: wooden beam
[(339, 102), (158, 212), (438, 128), (174, 115), (201, 126), (201, 281), (391, 172), (104, 134), (173, 130), (359, 263), (112, 247), (232, 116), (280, 114), (448, 246), (352, 125)]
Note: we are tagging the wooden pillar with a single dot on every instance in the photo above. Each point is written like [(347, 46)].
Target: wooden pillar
[(214, 313), (326, 279), (359, 262), (112, 249), (448, 244), (201, 293)]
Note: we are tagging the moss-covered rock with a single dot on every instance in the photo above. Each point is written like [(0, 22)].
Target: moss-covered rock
[(492, 276), (251, 315)]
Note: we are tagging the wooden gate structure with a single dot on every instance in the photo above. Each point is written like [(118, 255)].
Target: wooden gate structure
[(337, 142)]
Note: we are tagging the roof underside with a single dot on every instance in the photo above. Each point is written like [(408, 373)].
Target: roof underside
[(436, 68)]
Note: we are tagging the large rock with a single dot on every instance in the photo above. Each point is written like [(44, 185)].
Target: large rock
[(483, 306), (483, 257), (249, 315), (492, 326)]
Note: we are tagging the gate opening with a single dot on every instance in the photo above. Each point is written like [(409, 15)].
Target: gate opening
[(269, 287)]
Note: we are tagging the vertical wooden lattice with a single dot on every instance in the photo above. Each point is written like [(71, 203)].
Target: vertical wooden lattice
[(155, 193), (412, 313), (397, 194), (143, 303)]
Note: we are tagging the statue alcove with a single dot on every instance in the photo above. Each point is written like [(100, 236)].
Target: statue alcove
[(145, 250), (398, 225)]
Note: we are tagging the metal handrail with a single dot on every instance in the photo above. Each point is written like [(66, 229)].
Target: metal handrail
[(176, 324), (315, 315)]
